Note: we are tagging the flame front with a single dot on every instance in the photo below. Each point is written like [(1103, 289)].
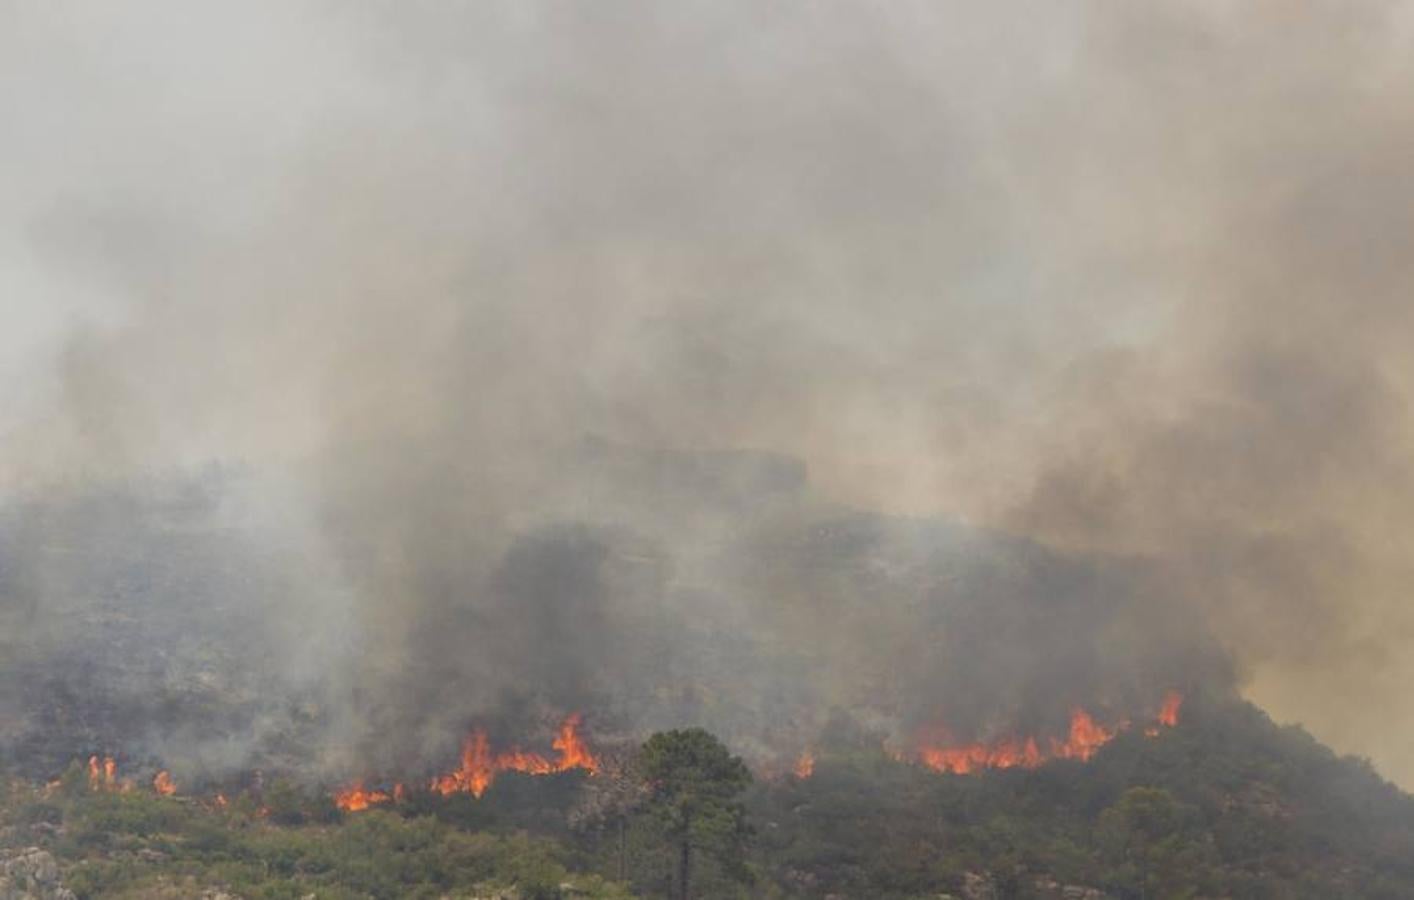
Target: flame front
[(1168, 713), (574, 752), (354, 798), (964, 759), (475, 772), (163, 784), (103, 775), (479, 766), (1084, 738), (804, 765)]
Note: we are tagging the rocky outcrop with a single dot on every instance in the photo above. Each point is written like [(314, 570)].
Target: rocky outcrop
[(31, 874)]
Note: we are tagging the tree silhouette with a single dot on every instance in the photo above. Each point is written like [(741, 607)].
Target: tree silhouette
[(695, 784)]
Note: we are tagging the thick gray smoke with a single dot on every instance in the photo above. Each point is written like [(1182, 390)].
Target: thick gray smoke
[(725, 362)]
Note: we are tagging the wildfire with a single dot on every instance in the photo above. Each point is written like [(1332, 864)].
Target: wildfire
[(480, 766), (804, 765), (163, 784), (354, 798), (1168, 713), (103, 774), (963, 759), (477, 768), (574, 752), (97, 769), (1084, 738)]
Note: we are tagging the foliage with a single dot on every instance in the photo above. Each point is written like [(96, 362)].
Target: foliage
[(1224, 805), (138, 844), (695, 784)]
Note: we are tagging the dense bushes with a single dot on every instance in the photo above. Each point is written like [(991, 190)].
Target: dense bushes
[(141, 845)]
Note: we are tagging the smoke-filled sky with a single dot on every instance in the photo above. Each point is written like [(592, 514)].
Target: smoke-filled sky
[(1131, 281)]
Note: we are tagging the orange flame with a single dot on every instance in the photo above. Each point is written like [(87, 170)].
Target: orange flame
[(1168, 713), (476, 770), (354, 798), (1084, 738), (163, 784), (804, 765), (574, 752), (964, 759), (479, 766), (103, 774)]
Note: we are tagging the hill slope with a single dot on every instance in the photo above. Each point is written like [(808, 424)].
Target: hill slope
[(1227, 804)]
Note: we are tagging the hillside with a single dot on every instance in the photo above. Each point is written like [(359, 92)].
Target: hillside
[(1225, 804), (827, 647)]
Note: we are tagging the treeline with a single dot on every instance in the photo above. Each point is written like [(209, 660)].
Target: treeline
[(1226, 805)]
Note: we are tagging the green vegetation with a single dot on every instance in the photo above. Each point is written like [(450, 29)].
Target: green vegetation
[(140, 845), (1226, 805), (695, 784)]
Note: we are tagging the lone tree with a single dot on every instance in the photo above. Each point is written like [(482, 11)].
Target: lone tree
[(695, 784)]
